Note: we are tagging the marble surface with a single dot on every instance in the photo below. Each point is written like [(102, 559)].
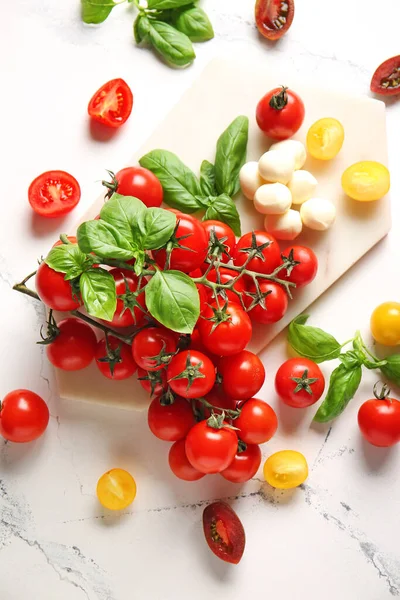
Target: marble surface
[(337, 537)]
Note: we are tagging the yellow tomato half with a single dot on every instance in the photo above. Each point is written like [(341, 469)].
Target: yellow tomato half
[(116, 489), (366, 181), (385, 324), (286, 469), (325, 138)]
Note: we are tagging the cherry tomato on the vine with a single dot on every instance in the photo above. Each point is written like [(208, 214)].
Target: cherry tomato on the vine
[(112, 104), (273, 296), (305, 271), (386, 79), (170, 422), (140, 183), (211, 450), (257, 422), (379, 419), (224, 532), (274, 17), (226, 330), (224, 275), (280, 113), (24, 416), (54, 193), (154, 382), (54, 291), (179, 464), (220, 402), (243, 374), (115, 362), (263, 247), (299, 382), (220, 231), (245, 464), (74, 347), (197, 344), (191, 374), (202, 289), (116, 489), (153, 348), (130, 308)]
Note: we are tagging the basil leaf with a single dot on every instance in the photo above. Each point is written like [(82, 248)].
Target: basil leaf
[(174, 46), (223, 209), (172, 298), (350, 359), (104, 240), (231, 156), (180, 184), (165, 4), (312, 342), (194, 22), (392, 368), (68, 259), (96, 11), (155, 227), (207, 179), (343, 384), (98, 293), (141, 28), (123, 212)]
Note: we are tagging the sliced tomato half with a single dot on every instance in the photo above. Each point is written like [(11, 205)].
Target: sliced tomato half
[(224, 532), (386, 79), (274, 17), (112, 104), (54, 193)]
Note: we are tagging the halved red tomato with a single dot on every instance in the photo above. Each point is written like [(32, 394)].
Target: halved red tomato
[(224, 532), (274, 17), (112, 104), (386, 79), (54, 193)]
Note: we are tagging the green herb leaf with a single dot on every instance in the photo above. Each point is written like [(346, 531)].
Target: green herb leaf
[(312, 342), (223, 209), (122, 212), (141, 28), (231, 156), (180, 184), (165, 4), (343, 385), (155, 227), (350, 359), (172, 298), (68, 259), (98, 293), (175, 47), (392, 368), (207, 179), (96, 11), (104, 240), (194, 22)]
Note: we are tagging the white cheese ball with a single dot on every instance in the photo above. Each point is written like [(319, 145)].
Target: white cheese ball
[(295, 149), (284, 227), (276, 167), (303, 186), (272, 199), (250, 179), (318, 213)]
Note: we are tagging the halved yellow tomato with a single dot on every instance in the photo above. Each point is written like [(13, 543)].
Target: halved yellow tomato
[(366, 181), (325, 138)]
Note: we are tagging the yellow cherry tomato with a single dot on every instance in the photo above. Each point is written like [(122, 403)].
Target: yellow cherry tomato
[(366, 181), (285, 469), (116, 489), (325, 138), (385, 324)]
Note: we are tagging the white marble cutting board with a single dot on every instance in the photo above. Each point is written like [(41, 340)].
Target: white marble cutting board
[(223, 91)]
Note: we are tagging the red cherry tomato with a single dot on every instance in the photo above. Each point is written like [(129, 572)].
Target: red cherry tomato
[(54, 194), (219, 400), (224, 532), (54, 291), (244, 466), (221, 231), (120, 364), (140, 183), (267, 257), (299, 382), (386, 79), (127, 312), (191, 374), (197, 344), (274, 17), (280, 113), (232, 332), (379, 420), (74, 347), (112, 104), (24, 416), (276, 302), (305, 271), (225, 275), (191, 251), (153, 348), (71, 238), (179, 464), (170, 422), (257, 422), (243, 374), (154, 382), (210, 450)]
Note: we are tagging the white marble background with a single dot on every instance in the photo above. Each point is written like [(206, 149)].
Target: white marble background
[(337, 538)]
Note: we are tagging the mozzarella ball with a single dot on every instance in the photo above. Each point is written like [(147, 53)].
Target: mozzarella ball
[(295, 149), (276, 167), (284, 227), (318, 213), (303, 186), (272, 199), (250, 179)]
